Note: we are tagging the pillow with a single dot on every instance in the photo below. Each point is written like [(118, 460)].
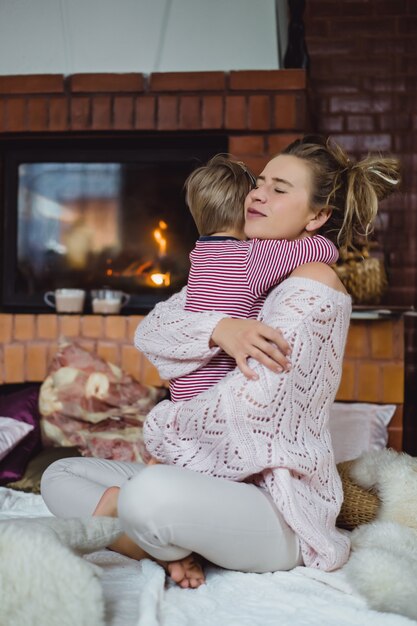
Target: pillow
[(11, 432), (92, 404), (21, 406), (359, 427)]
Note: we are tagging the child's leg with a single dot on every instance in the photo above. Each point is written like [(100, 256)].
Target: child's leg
[(172, 512)]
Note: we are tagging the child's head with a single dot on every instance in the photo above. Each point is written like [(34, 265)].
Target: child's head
[(350, 189), (215, 194)]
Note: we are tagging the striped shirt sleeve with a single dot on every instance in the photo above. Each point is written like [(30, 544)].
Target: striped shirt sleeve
[(269, 261)]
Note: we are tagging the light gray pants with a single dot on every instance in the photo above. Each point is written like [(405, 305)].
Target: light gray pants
[(171, 511)]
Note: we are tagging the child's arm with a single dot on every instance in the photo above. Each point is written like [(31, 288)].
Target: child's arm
[(272, 260)]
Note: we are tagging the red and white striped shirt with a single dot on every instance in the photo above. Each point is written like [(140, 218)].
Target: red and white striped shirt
[(234, 277)]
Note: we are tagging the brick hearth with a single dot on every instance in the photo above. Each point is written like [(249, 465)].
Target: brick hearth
[(29, 342)]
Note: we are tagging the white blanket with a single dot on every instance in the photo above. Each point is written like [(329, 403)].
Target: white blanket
[(136, 594)]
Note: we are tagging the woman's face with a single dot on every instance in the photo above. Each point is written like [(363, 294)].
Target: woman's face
[(279, 206)]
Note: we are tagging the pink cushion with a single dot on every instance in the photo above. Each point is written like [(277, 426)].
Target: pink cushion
[(92, 404)]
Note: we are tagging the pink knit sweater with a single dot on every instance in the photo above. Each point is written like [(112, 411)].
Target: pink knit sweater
[(272, 432)]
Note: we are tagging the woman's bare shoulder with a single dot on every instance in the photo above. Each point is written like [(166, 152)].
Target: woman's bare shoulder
[(320, 272)]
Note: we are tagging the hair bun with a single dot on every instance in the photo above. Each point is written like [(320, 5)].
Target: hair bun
[(388, 178)]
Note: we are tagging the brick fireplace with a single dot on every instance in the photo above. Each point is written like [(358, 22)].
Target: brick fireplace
[(259, 112), (177, 119)]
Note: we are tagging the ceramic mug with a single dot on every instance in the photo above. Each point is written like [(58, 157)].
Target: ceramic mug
[(66, 300), (108, 301)]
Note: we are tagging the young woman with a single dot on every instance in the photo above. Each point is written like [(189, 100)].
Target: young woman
[(244, 473)]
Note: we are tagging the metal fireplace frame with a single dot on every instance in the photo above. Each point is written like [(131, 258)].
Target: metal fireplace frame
[(193, 148)]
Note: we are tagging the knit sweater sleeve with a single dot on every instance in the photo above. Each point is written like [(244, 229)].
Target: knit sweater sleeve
[(276, 427), (174, 340)]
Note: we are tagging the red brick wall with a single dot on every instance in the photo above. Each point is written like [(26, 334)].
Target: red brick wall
[(363, 91), (363, 86)]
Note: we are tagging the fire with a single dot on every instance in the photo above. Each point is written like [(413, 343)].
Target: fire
[(161, 280), (160, 239), (149, 272), (157, 278)]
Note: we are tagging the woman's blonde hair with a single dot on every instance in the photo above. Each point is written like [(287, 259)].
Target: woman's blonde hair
[(215, 194), (351, 189)]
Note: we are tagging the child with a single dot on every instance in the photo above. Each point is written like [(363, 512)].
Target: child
[(229, 273)]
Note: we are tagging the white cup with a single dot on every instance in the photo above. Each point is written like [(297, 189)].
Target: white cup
[(66, 300), (108, 301)]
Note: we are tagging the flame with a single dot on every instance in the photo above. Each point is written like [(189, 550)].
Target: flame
[(152, 271), (160, 239), (161, 280)]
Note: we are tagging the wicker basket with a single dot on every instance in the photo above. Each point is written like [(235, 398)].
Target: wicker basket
[(363, 275), (360, 506)]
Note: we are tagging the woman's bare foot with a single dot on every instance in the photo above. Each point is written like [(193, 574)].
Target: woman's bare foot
[(187, 572)]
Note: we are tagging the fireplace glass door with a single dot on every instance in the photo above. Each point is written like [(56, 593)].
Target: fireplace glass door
[(99, 213)]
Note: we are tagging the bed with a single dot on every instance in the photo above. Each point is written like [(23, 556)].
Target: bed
[(137, 593)]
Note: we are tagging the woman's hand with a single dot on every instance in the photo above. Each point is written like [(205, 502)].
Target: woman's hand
[(242, 339), (153, 461)]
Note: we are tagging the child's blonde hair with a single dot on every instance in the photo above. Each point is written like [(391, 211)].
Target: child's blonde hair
[(215, 194), (352, 190)]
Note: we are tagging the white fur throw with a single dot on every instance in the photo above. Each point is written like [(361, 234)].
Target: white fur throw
[(42, 580), (383, 563), (383, 567)]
